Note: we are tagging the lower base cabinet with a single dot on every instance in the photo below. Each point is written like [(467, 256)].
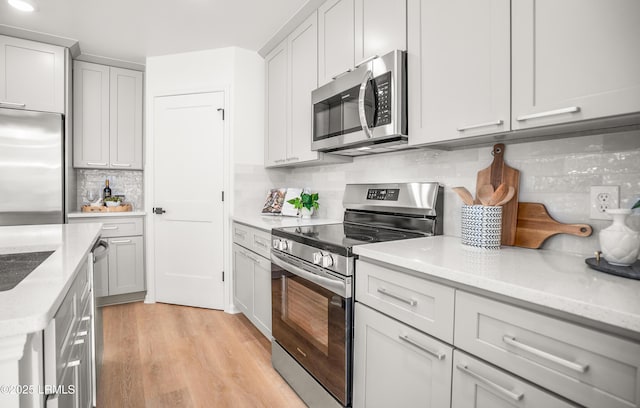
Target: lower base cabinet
[(252, 287), (398, 366), (477, 384)]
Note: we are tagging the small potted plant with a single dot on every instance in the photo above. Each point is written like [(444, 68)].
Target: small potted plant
[(305, 204), (112, 201)]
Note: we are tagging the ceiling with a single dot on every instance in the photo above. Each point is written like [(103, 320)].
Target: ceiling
[(131, 30)]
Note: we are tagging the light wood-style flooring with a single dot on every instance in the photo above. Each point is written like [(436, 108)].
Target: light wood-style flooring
[(159, 355)]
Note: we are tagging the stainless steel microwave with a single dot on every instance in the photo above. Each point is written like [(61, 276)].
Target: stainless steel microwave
[(364, 110)]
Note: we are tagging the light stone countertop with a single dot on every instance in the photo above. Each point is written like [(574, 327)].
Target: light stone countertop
[(267, 222), (553, 281), (30, 306), (79, 214)]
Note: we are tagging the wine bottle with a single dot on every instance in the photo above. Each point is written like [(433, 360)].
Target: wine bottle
[(106, 191)]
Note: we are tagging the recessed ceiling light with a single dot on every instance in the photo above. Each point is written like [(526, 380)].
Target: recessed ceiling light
[(22, 5)]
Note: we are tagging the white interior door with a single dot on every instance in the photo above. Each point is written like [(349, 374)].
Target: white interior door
[(188, 181)]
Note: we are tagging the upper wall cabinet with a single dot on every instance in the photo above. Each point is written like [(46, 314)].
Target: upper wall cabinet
[(292, 69), (352, 31), (574, 60), (380, 27), (107, 122), (458, 68), (31, 75)]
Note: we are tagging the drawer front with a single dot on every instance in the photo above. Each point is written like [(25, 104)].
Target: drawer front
[(420, 303), (242, 235), (59, 336), (583, 365), (115, 227), (477, 384), (262, 243)]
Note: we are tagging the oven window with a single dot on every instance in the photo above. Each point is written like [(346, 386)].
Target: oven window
[(327, 121), (309, 311)]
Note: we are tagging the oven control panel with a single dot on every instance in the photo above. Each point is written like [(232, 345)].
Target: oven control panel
[(383, 194)]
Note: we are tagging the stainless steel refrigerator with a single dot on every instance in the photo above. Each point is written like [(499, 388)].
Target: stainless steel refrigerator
[(31, 167)]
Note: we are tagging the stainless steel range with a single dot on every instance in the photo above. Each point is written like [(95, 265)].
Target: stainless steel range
[(312, 272)]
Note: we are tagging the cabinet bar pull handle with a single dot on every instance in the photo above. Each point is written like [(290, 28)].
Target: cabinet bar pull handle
[(121, 241), (293, 158), (543, 354), (514, 396), (364, 61), (279, 161), (96, 164), (18, 105), (121, 164), (78, 342), (410, 302), (85, 318), (481, 125), (572, 109), (82, 333), (342, 73), (110, 228), (436, 354), (241, 233), (262, 244), (252, 258), (73, 363)]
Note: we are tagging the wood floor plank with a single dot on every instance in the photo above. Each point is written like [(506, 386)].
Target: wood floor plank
[(160, 355)]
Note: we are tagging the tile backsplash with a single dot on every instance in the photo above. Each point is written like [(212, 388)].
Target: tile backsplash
[(127, 182), (557, 173)]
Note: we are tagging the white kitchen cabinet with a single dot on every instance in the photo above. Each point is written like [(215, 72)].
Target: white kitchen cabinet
[(107, 117), (31, 75), (458, 69), (291, 75), (119, 276), (252, 275), (398, 366), (336, 39), (477, 384), (380, 27), (126, 266), (277, 78), (574, 60)]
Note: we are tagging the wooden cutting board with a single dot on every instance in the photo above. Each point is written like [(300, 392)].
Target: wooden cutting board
[(496, 174), (535, 225)]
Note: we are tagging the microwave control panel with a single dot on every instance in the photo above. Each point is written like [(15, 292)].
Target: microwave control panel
[(383, 97)]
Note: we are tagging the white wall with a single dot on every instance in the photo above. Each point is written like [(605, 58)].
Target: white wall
[(557, 173), (240, 73)]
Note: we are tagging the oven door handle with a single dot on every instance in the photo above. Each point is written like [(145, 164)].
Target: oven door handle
[(333, 284)]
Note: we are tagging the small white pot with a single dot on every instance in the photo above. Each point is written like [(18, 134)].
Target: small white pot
[(305, 213), (619, 244)]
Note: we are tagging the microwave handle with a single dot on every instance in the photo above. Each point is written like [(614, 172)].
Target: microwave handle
[(363, 117)]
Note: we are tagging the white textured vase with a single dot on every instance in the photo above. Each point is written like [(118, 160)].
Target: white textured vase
[(306, 213), (619, 244)]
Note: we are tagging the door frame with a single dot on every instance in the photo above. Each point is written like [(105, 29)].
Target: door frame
[(149, 178)]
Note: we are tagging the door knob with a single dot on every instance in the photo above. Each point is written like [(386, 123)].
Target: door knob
[(158, 210)]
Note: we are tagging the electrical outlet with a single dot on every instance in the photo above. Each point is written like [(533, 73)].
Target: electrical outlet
[(601, 199)]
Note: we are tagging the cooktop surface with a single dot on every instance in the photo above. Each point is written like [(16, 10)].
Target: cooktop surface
[(343, 235)]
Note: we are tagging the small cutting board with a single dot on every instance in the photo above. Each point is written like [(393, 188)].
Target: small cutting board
[(495, 175), (535, 225)]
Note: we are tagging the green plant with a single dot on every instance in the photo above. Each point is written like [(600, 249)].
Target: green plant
[(305, 200), (636, 205)]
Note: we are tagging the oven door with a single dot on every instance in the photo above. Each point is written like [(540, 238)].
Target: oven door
[(312, 320)]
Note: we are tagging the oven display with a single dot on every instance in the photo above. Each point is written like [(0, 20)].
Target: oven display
[(383, 194)]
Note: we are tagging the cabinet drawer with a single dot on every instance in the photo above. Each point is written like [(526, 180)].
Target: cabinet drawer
[(477, 384), (262, 243), (592, 368), (59, 336), (242, 235), (115, 227), (420, 303)]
